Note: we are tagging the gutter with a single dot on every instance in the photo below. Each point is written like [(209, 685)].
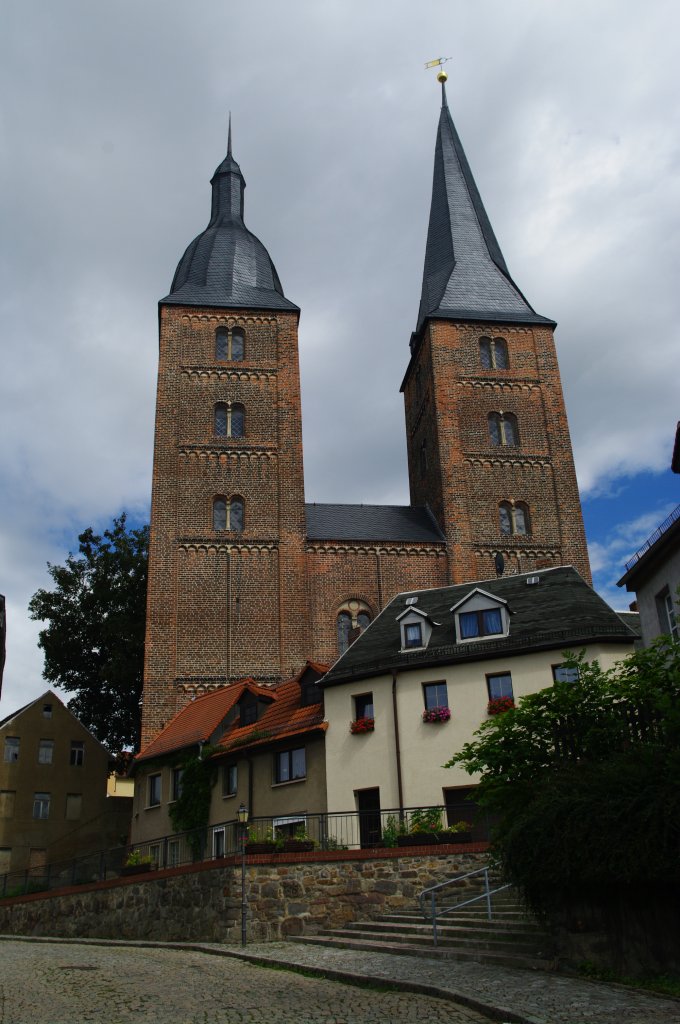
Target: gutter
[(400, 787)]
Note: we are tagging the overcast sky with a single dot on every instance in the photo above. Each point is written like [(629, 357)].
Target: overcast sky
[(114, 117)]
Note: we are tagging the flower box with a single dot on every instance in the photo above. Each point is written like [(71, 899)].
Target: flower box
[(417, 839), (499, 705), (297, 846), (436, 714), (136, 869), (361, 725), (454, 837), (263, 846)]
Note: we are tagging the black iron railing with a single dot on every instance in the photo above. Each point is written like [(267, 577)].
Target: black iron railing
[(651, 540)]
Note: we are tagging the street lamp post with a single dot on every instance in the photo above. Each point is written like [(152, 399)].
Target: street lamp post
[(243, 823)]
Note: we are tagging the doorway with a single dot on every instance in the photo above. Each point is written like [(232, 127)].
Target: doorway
[(368, 806)]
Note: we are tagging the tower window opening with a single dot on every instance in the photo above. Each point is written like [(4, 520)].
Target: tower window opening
[(493, 353), (503, 429), (229, 419), (229, 344), (514, 518), (353, 618), (228, 513)]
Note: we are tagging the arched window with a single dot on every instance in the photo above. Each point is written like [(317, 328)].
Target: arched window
[(219, 513), (353, 618), (503, 428), (493, 353), (514, 519), (229, 419), (230, 344), (228, 513)]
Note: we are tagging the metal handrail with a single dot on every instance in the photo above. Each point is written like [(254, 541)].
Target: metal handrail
[(651, 540), (432, 891)]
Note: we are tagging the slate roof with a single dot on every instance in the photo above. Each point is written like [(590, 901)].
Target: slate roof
[(404, 523), (559, 612), (226, 265), (465, 276)]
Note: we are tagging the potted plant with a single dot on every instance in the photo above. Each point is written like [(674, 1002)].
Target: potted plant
[(299, 842), (137, 863), (460, 832), (436, 714), (424, 823), (260, 844), (361, 725), (498, 705)]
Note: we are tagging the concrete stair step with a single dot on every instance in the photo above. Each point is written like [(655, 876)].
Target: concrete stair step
[(449, 931), (424, 939), (503, 959)]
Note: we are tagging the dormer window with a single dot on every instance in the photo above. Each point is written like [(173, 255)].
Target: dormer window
[(479, 615), (413, 635), (416, 628), (248, 711)]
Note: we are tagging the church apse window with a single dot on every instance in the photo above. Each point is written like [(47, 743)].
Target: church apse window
[(229, 419), (353, 618), (228, 513), (514, 518), (503, 429), (230, 344), (493, 353)]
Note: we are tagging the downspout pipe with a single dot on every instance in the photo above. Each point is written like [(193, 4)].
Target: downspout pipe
[(395, 716)]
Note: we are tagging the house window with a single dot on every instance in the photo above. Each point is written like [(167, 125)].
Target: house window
[(7, 798), (45, 751), (353, 618), (486, 622), (565, 673), (668, 620), (229, 780), (493, 353), (11, 748), (154, 790), (228, 514), (500, 686), (514, 518), (41, 806), (229, 419), (503, 429), (47, 711), (286, 828), (290, 765), (218, 843), (173, 853), (229, 344), (248, 711), (413, 634), (74, 806), (176, 789), (435, 695), (77, 753), (363, 706)]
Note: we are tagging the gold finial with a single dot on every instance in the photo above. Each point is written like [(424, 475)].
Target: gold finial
[(437, 63)]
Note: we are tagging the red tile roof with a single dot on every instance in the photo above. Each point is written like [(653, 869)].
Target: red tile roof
[(197, 722)]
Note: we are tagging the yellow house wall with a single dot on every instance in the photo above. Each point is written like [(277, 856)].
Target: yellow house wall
[(355, 762)]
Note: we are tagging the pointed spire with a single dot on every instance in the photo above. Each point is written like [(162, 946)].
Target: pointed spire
[(229, 137), (465, 276)]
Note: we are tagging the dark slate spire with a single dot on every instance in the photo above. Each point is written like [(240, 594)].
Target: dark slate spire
[(226, 265), (465, 276)]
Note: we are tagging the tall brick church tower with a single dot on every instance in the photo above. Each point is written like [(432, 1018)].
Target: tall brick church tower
[(487, 434), (226, 569), (245, 579)]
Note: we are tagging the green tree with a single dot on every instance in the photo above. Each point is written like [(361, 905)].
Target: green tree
[(583, 779), (94, 640)]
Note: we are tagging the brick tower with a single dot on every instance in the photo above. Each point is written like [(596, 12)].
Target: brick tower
[(226, 569), (487, 435)]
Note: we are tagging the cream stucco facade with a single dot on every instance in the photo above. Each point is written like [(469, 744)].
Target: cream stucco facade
[(369, 760)]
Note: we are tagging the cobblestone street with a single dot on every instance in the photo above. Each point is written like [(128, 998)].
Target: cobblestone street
[(53, 983)]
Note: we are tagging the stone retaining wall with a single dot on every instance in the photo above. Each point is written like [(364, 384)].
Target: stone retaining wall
[(203, 902)]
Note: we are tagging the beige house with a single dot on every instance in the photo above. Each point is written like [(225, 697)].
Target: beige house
[(53, 789), (267, 747), (430, 669)]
